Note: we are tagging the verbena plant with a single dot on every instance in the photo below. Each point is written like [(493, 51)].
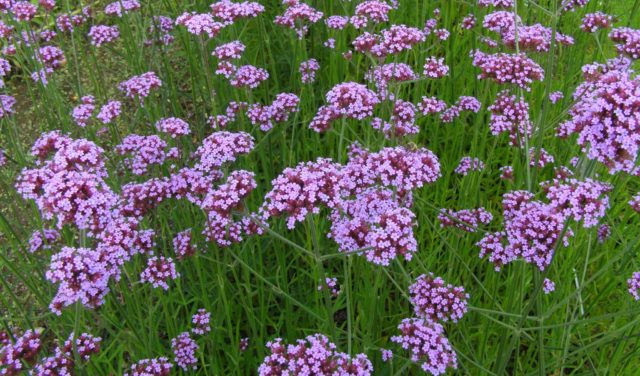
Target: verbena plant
[(319, 187)]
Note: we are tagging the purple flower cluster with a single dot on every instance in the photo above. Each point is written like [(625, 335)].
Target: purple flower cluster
[(331, 284), (467, 219), (173, 126), (548, 286), (571, 5), (229, 51), (62, 362), (373, 10), (150, 367), (427, 344), (300, 191), (121, 7), (402, 121), (390, 41), (383, 75), (634, 285), (221, 204), (276, 112), (14, 354), (585, 201), (182, 244), (44, 239), (229, 11), (308, 69), (536, 38), (200, 24), (298, 16), (628, 39), (102, 34), (140, 86), (184, 348), (556, 96), (605, 116), (507, 4), (468, 164), (434, 300), (539, 157), (144, 152), (314, 355), (349, 100), (593, 22), (532, 231), (201, 321), (435, 67), (510, 114), (109, 112), (159, 271), (82, 113), (24, 10), (505, 68)]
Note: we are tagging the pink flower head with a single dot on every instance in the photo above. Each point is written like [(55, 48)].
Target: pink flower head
[(315, 352), (229, 11), (173, 126), (24, 10), (532, 231), (373, 10), (82, 114), (548, 286), (308, 70), (229, 51), (201, 321), (300, 191), (555, 97), (182, 244), (427, 344), (248, 76), (331, 284), (571, 5), (102, 34), (592, 22), (585, 201), (507, 4), (200, 24), (628, 41), (431, 105), (510, 115), (468, 22), (435, 67), (634, 285), (298, 16), (150, 367), (140, 86), (121, 7), (159, 271), (336, 22), (505, 68), (604, 115), (468, 164), (434, 300), (184, 348), (109, 112), (144, 152), (539, 157)]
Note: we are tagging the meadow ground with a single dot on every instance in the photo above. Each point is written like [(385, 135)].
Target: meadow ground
[(266, 286)]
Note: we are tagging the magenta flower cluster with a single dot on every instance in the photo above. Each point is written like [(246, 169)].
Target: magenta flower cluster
[(434, 300), (314, 355)]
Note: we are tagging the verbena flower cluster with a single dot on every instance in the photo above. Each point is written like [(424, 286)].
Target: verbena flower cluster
[(314, 355)]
